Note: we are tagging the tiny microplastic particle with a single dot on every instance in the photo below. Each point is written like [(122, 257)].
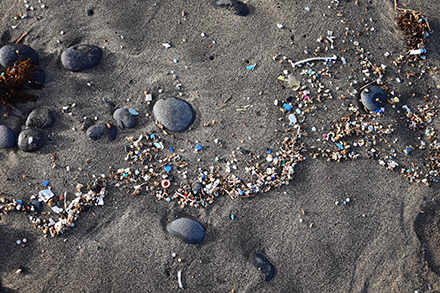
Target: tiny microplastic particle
[(133, 112)]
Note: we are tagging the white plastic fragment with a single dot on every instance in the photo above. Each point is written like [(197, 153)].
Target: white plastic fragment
[(57, 209), (45, 195), (280, 26), (334, 57), (179, 279), (292, 119), (417, 52), (166, 45)]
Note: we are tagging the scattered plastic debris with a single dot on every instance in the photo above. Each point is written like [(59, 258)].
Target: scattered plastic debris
[(251, 67)]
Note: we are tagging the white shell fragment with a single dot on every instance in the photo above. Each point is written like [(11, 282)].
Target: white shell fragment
[(179, 279)]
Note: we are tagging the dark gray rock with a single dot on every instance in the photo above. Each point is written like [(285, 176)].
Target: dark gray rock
[(263, 265), (174, 114), (31, 139), (7, 138), (124, 119), (40, 118), (197, 188), (37, 206), (188, 230), (99, 131), (37, 80), (14, 52), (238, 7), (81, 57), (373, 98)]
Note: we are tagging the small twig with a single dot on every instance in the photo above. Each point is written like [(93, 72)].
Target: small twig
[(20, 38), (312, 59), (368, 84)]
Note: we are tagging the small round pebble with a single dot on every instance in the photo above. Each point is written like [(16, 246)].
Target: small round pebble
[(37, 206), (40, 118), (263, 265), (124, 119), (9, 54), (373, 98), (37, 80), (174, 114), (81, 57), (198, 187), (98, 131), (7, 138), (31, 139), (239, 7), (190, 231)]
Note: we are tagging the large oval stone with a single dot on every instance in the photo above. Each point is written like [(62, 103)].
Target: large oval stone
[(40, 118), (123, 118), (188, 230), (99, 131), (7, 138), (9, 54), (373, 98), (263, 265), (30, 140), (174, 114), (81, 57)]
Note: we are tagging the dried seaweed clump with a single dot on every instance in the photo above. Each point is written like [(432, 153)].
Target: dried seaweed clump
[(416, 28), (12, 85)]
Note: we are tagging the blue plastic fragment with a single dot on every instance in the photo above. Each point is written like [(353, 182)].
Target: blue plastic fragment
[(269, 151), (232, 217), (138, 153), (20, 201), (133, 112), (172, 151), (251, 67), (168, 199), (45, 183), (152, 136), (203, 176), (199, 147), (298, 111), (168, 168), (340, 146), (287, 107)]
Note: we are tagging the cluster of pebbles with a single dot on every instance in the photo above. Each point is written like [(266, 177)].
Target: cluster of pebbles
[(76, 58)]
